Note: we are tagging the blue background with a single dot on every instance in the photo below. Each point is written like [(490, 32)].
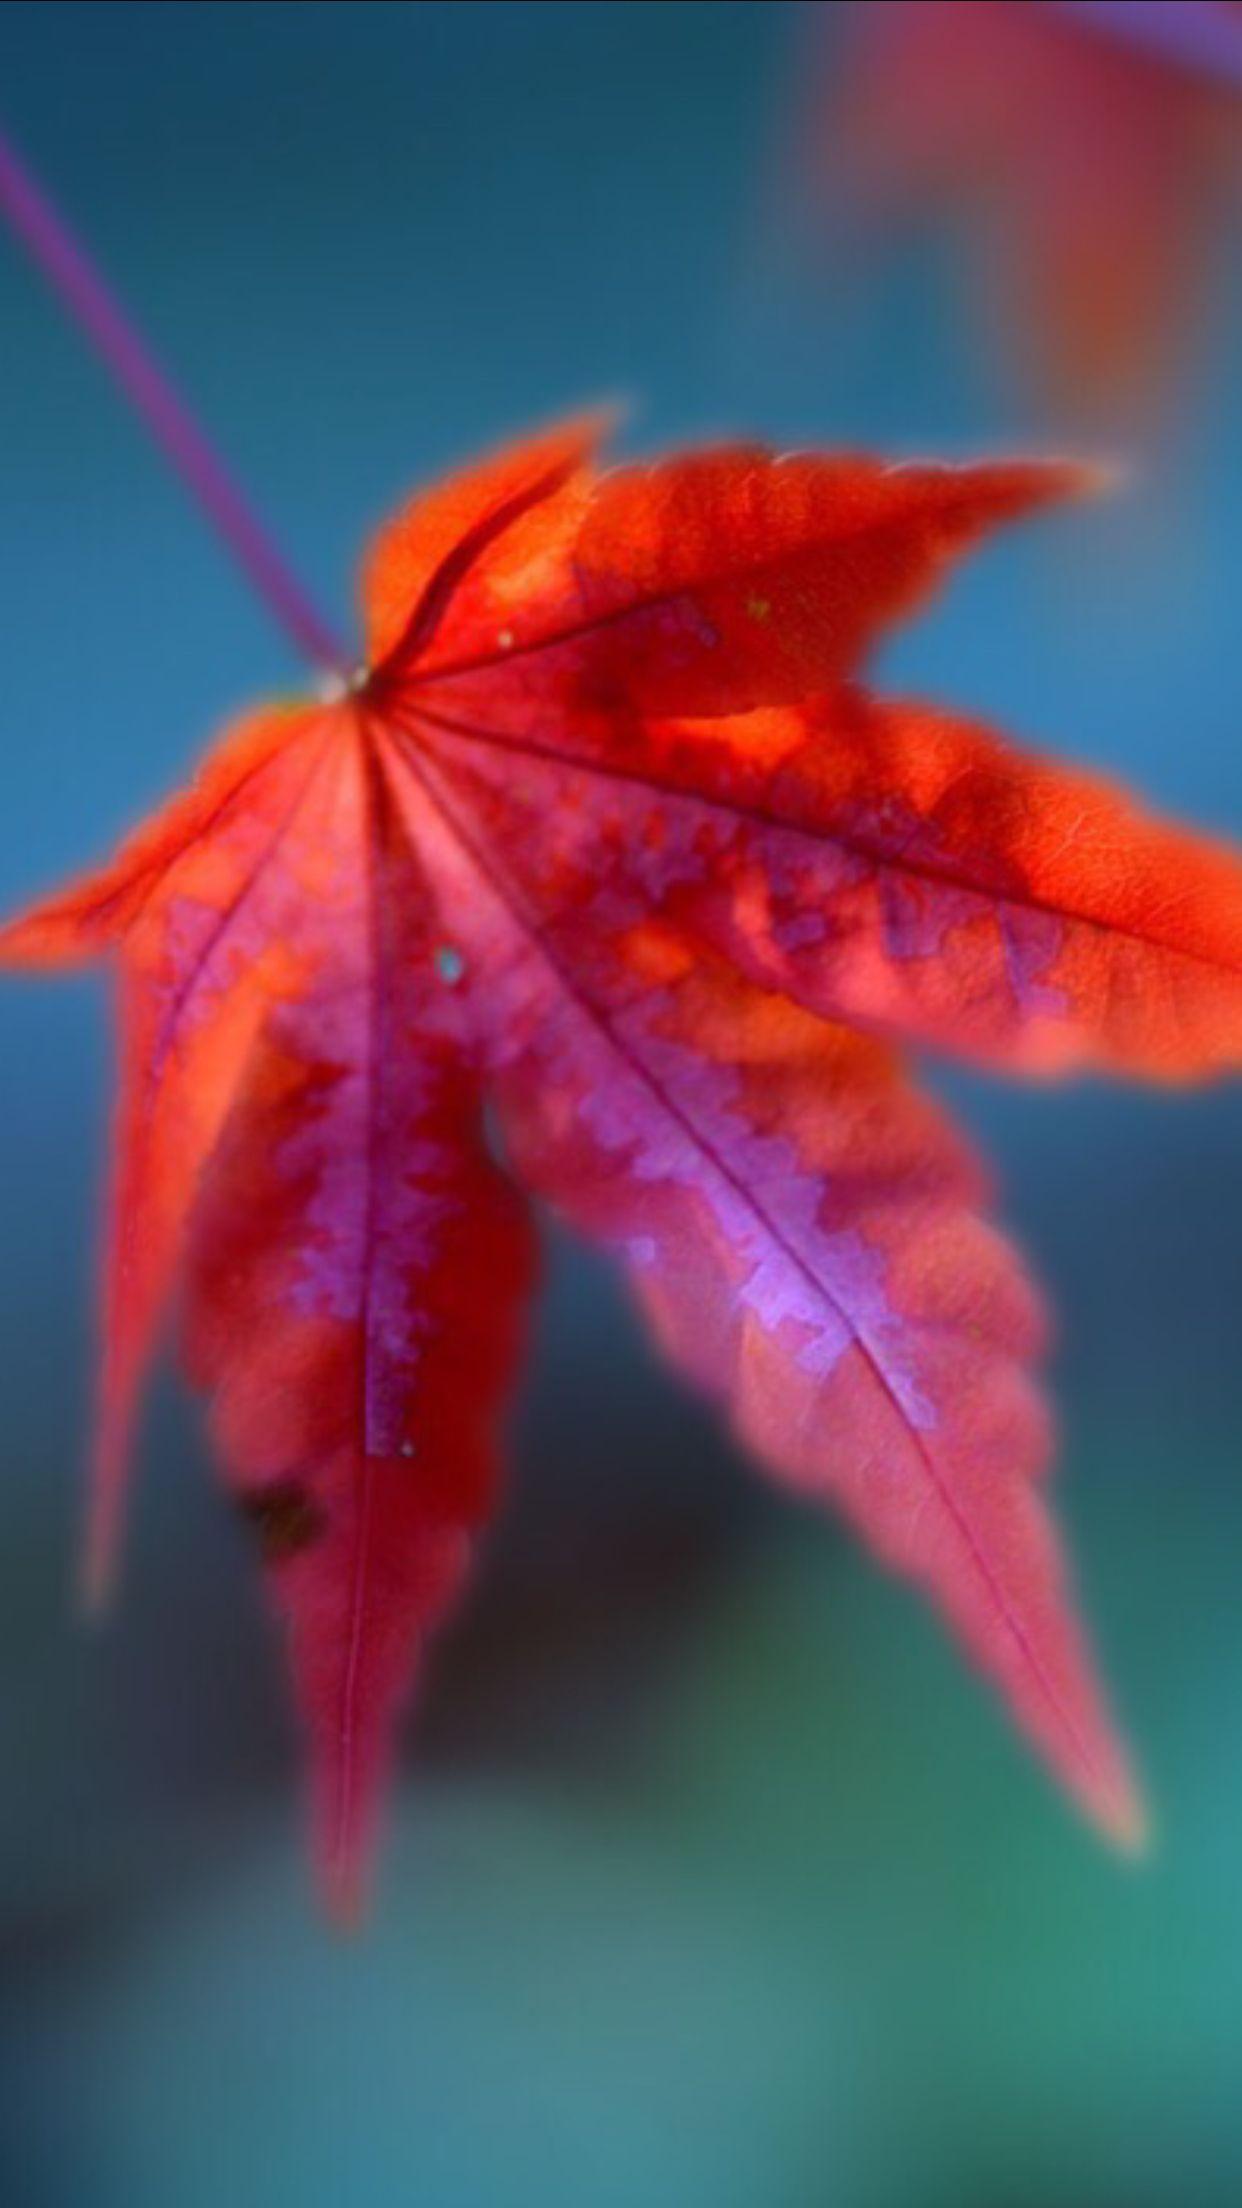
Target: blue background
[(713, 1878)]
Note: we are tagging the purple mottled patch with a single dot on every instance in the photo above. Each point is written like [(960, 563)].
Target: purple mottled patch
[(921, 909)]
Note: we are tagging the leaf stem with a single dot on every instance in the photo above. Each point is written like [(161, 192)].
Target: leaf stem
[(70, 271)]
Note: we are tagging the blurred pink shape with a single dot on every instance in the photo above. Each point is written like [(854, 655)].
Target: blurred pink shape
[(1086, 158)]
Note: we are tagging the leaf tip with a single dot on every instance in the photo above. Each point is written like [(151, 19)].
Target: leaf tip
[(1103, 478), (99, 1554), (345, 1897), (344, 1814), (1130, 1828), (1120, 1813), (97, 1569), (94, 1587)]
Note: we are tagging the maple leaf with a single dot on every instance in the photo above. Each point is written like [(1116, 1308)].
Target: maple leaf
[(1088, 156), (607, 839)]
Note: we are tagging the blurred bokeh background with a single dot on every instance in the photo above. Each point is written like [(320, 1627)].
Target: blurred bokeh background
[(713, 1878)]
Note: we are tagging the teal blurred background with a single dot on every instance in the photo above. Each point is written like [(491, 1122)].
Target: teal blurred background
[(713, 1878)]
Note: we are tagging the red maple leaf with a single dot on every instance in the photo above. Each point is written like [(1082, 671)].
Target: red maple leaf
[(607, 841), (1089, 157)]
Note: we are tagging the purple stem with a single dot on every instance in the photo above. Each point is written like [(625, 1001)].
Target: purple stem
[(72, 274), (1200, 35)]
